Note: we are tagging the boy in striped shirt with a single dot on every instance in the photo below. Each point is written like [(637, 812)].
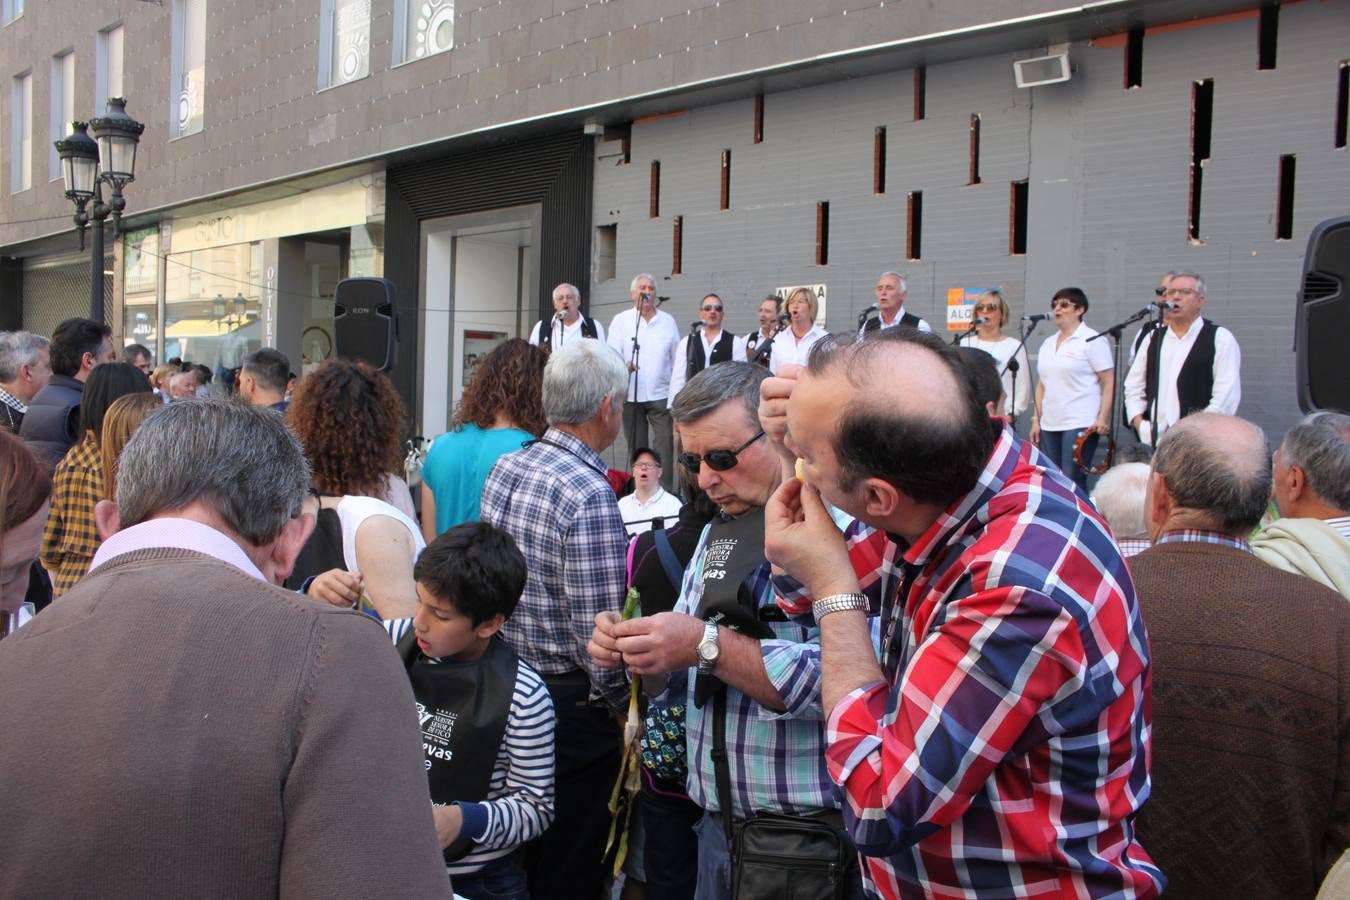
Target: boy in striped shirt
[(486, 717)]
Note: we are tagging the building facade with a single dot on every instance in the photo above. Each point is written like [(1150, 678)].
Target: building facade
[(478, 153)]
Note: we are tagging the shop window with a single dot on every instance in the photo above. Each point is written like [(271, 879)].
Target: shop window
[(344, 41), (62, 107), (213, 307), (21, 132), (108, 78), (10, 10), (423, 28), (140, 280), (188, 81)]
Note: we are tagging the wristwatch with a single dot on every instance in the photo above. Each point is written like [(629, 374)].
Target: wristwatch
[(708, 648), (838, 603)]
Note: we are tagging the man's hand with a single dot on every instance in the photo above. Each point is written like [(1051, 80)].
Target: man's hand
[(801, 539), (602, 648), (449, 820), (654, 645), (336, 587), (773, 403)]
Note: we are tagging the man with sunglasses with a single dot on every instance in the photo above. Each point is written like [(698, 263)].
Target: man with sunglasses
[(726, 642), (1189, 365), (707, 345)]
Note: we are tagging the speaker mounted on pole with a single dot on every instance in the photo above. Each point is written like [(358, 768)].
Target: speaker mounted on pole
[(365, 321)]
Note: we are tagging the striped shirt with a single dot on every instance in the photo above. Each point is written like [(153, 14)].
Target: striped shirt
[(552, 497), (519, 804), (776, 760), (1006, 755)]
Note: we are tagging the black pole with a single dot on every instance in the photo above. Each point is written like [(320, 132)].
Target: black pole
[(96, 264)]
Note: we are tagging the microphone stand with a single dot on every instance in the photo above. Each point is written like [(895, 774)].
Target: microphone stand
[(690, 350), (1115, 331), (1012, 366), (766, 346), (867, 314), (956, 341), (637, 349)]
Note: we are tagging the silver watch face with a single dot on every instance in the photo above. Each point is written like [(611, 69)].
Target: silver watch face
[(707, 650)]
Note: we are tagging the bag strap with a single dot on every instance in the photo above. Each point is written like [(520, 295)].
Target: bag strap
[(721, 769), (674, 571)]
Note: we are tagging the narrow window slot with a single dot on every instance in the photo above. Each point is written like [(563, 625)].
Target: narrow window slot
[(1202, 120), (726, 180), (974, 148), (920, 91), (759, 118), (879, 160), (654, 196), (1017, 231), (914, 226), (1284, 214), (1342, 104), (1134, 59), (1267, 37), (823, 233), (677, 250)]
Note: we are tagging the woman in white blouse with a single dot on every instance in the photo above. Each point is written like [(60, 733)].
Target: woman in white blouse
[(989, 337), (792, 346), (1076, 380)]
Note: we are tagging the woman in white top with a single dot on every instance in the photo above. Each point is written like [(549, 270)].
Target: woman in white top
[(1076, 380), (988, 336), (792, 346)]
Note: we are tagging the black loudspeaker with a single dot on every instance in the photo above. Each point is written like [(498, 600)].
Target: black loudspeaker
[(1323, 326), (365, 321)]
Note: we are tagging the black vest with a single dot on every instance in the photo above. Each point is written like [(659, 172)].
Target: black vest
[(721, 352), (1195, 381), (546, 332), (53, 418), (874, 323)]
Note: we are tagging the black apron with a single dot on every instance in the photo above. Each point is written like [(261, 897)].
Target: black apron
[(462, 709)]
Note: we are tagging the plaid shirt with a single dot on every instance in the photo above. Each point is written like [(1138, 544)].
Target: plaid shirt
[(776, 761), (1008, 753), (70, 538), (10, 402), (1199, 536), (552, 497)]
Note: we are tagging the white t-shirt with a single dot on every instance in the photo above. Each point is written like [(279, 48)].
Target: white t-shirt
[(1000, 350), (353, 511), (656, 341), (788, 350), (1069, 375), (662, 504)]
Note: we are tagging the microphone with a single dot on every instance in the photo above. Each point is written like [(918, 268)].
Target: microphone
[(871, 309), (785, 317), (645, 297), (694, 326), (978, 321), (1038, 317), (559, 315), (1164, 305)]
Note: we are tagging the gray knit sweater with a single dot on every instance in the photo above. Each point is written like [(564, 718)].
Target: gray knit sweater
[(175, 728)]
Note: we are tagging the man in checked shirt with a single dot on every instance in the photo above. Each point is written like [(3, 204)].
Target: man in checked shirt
[(1000, 747)]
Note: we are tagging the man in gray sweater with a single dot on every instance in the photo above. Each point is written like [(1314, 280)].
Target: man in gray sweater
[(179, 726)]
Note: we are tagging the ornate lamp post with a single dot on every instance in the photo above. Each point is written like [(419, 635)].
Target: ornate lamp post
[(87, 164)]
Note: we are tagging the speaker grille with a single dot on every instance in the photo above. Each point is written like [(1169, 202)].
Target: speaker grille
[(1319, 286)]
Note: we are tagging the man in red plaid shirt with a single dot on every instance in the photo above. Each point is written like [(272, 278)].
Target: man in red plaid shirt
[(1000, 748)]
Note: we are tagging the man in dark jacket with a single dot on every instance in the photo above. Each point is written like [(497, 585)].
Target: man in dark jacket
[(53, 417)]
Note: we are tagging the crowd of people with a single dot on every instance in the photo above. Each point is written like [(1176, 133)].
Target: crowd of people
[(838, 631)]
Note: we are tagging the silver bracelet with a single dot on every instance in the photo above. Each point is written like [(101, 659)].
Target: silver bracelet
[(838, 603)]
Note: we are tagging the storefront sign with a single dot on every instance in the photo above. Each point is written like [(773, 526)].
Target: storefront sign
[(338, 206)]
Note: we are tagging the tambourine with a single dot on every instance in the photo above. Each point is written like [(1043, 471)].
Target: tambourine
[(1078, 453)]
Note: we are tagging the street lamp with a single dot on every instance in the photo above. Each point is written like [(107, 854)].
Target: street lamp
[(116, 136)]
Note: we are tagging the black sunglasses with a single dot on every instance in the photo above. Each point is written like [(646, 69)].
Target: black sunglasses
[(717, 460), (712, 308)]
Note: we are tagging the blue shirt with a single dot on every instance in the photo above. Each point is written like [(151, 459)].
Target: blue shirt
[(457, 467)]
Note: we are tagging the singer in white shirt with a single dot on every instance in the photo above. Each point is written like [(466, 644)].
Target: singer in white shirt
[(567, 324), (991, 311), (713, 345), (646, 339), (1198, 364)]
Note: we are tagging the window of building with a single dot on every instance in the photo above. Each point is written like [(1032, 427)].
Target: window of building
[(423, 28), (108, 78), (62, 107), (344, 41), (21, 132), (189, 68), (10, 10)]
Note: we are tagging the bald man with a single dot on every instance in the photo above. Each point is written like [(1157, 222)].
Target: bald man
[(1002, 740), (1251, 681)]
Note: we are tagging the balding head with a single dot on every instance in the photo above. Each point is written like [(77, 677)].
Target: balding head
[(1210, 471)]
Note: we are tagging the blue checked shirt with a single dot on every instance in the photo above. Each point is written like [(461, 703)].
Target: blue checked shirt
[(776, 760), (552, 497)]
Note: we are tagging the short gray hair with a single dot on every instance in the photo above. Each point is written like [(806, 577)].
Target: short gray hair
[(1199, 282), (240, 460), (1320, 446), (1119, 497), (632, 285), (715, 385), (904, 284), (18, 348), (1209, 472), (578, 376)]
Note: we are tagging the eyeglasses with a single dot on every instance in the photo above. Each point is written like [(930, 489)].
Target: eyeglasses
[(712, 309), (1180, 292), (645, 465), (1061, 304), (987, 307), (717, 460)]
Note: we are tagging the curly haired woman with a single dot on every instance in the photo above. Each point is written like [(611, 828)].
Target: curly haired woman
[(349, 418), (502, 408)]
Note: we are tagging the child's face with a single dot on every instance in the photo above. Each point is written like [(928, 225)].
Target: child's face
[(443, 631)]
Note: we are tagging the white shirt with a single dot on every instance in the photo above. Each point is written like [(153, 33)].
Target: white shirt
[(681, 364), (656, 340), (1000, 350), (788, 350), (663, 504), (1073, 395), (899, 317), (1227, 391), (563, 334)]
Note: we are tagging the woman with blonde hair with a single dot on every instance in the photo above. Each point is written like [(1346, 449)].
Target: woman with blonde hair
[(119, 423), (792, 346), (991, 314)]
